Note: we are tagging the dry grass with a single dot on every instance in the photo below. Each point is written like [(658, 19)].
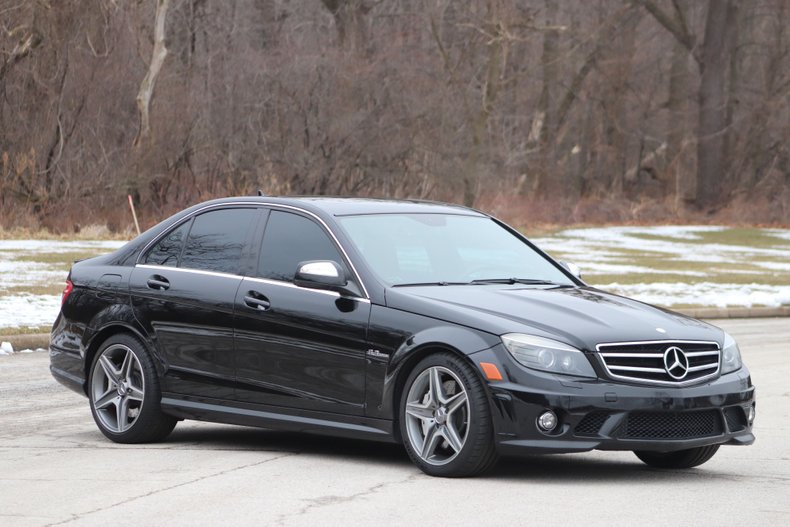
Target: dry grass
[(4, 332), (543, 216), (90, 232)]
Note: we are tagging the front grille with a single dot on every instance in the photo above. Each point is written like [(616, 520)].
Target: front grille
[(671, 425), (591, 424), (736, 419), (645, 361)]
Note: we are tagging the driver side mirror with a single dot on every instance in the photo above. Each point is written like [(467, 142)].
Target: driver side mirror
[(321, 274)]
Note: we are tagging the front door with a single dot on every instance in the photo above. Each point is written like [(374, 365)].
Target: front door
[(297, 347)]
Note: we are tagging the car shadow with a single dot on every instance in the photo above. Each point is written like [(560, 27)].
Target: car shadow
[(552, 468), (228, 437), (585, 467)]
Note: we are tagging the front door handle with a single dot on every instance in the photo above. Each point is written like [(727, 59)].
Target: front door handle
[(255, 300), (158, 282)]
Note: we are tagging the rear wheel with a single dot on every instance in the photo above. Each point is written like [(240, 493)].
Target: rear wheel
[(124, 393), (445, 419), (692, 457)]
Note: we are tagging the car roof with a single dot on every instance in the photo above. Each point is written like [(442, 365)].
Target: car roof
[(336, 206)]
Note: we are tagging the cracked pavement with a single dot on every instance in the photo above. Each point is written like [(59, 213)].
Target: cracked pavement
[(57, 469)]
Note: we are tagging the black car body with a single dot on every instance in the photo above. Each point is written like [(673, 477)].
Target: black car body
[(233, 342)]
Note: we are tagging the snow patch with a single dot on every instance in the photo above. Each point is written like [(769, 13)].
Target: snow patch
[(26, 310), (704, 293), (774, 266), (57, 246)]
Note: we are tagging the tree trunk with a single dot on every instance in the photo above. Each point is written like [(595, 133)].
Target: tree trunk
[(350, 23), (678, 174), (149, 82), (614, 102), (711, 162), (547, 105)]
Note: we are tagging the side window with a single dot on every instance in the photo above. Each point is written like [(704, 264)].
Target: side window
[(290, 239), (168, 249), (217, 239)]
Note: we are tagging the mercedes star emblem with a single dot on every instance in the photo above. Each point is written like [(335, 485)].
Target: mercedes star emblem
[(676, 363)]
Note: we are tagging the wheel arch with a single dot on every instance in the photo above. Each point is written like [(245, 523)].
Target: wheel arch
[(460, 342), (100, 337)]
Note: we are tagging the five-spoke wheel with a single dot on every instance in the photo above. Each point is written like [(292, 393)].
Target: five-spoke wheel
[(124, 392), (117, 388), (445, 419), (437, 415)]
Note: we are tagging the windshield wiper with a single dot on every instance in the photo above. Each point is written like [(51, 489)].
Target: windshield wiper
[(417, 284), (511, 281), (482, 281)]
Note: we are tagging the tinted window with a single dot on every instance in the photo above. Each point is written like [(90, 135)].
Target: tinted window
[(217, 239), (167, 251), (290, 239)]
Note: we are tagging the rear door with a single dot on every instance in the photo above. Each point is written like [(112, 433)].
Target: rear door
[(297, 347), (183, 292)]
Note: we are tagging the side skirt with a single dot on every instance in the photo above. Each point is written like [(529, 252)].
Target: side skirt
[(262, 416)]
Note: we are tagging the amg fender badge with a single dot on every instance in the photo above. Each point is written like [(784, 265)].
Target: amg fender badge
[(377, 354)]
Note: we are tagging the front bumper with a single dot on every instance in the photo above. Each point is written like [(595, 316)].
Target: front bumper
[(598, 414)]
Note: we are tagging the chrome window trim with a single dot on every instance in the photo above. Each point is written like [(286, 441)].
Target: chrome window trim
[(251, 278), (283, 283), (205, 272), (636, 380), (357, 277)]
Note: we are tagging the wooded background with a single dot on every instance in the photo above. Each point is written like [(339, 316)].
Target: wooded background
[(538, 110)]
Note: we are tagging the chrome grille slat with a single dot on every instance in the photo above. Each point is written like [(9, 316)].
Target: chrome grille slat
[(635, 355), (643, 362), (703, 367), (701, 353), (637, 368)]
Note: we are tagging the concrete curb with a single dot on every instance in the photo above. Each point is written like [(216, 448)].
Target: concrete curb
[(737, 312), (41, 340)]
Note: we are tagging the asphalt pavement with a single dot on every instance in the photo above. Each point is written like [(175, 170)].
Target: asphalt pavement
[(56, 468)]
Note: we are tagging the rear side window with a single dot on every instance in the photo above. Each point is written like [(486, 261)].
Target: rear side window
[(290, 239), (167, 251), (217, 240)]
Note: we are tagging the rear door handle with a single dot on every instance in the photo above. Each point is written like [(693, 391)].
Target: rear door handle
[(158, 282), (257, 301)]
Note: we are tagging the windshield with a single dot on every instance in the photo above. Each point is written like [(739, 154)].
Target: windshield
[(412, 249)]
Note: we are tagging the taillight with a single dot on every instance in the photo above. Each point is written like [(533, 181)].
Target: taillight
[(66, 292)]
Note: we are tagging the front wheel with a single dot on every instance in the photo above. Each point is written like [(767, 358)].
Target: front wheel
[(445, 419), (124, 393), (692, 457)]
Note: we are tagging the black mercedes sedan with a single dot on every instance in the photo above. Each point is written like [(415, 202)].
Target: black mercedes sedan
[(431, 325)]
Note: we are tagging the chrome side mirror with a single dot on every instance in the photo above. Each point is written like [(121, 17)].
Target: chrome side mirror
[(320, 273), (573, 269)]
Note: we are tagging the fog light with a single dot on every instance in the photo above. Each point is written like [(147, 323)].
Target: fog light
[(547, 421), (750, 415)]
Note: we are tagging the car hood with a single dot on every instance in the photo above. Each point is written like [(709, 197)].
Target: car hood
[(580, 316)]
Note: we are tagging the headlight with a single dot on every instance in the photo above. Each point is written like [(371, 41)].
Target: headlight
[(544, 354), (730, 355)]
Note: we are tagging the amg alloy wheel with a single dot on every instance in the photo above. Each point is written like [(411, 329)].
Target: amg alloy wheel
[(117, 388), (124, 393), (445, 418)]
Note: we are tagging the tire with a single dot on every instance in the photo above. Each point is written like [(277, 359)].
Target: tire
[(692, 457), (447, 431), (124, 393)]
